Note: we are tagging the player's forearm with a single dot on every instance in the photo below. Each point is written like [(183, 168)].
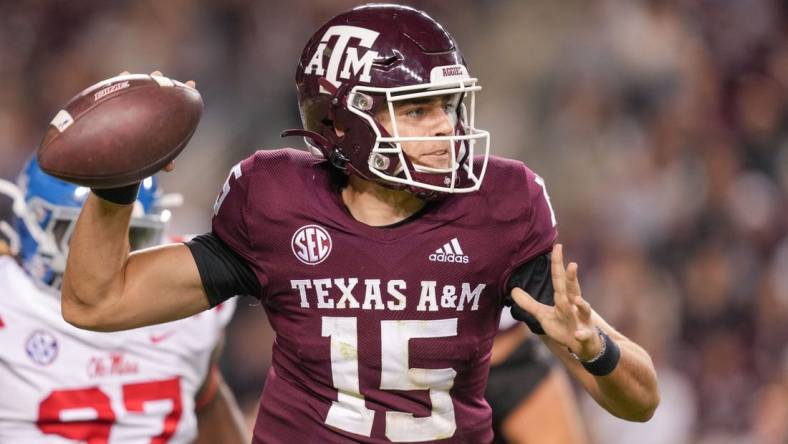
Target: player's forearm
[(630, 392), (98, 252), (107, 289), (221, 420)]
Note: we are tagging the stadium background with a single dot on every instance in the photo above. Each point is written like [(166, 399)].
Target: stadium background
[(661, 128)]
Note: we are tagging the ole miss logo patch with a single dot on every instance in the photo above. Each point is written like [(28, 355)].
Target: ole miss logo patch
[(311, 244)]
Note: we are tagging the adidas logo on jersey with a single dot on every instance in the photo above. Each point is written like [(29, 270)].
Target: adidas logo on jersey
[(450, 252)]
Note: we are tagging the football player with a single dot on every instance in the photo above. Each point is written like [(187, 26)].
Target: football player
[(62, 384), (382, 265), (530, 396)]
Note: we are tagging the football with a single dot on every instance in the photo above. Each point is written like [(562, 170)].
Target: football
[(120, 131)]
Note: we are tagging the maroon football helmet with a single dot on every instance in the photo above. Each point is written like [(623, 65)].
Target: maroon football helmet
[(362, 62)]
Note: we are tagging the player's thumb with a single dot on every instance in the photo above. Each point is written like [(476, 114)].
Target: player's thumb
[(526, 301)]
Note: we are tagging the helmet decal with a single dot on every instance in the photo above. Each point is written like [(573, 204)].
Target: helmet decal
[(358, 65)]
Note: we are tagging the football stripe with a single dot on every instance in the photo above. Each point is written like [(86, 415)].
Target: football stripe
[(163, 81), (62, 120)]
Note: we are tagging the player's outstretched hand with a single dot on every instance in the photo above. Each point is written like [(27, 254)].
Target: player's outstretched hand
[(569, 322)]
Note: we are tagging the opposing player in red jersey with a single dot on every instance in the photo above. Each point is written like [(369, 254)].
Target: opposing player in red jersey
[(383, 265), (60, 384)]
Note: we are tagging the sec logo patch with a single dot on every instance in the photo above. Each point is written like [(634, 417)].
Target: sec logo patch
[(41, 347), (311, 244)]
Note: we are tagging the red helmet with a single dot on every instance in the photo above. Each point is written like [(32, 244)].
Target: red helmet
[(362, 62)]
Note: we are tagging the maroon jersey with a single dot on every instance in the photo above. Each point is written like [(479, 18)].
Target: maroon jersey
[(382, 334)]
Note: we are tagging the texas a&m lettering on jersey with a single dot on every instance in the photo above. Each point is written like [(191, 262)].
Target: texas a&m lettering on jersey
[(382, 333), (378, 294)]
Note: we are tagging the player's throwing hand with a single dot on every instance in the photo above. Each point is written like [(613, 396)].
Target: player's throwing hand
[(569, 322)]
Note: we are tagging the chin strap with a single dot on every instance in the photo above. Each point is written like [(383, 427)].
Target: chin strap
[(326, 147)]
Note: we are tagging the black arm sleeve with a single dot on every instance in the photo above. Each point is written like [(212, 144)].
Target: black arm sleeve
[(534, 277), (224, 274)]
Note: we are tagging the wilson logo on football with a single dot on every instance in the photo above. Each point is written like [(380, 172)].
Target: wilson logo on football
[(450, 252), (109, 90), (311, 244)]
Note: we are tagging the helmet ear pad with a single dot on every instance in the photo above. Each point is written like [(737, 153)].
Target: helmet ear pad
[(356, 141)]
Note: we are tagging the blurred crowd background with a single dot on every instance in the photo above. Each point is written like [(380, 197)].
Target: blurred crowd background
[(661, 128)]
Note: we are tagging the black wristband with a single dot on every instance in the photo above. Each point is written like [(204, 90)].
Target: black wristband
[(605, 363), (121, 196)]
